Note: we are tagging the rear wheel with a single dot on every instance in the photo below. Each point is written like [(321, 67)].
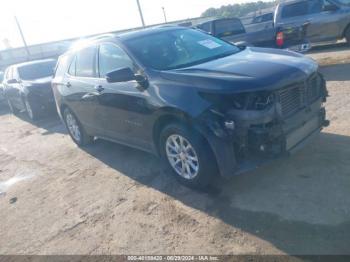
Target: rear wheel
[(31, 110), (188, 156), (75, 129)]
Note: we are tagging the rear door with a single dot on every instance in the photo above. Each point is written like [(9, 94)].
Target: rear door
[(81, 94)]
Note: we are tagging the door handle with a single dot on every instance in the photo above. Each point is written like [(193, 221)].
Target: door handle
[(89, 96), (99, 88), (68, 84)]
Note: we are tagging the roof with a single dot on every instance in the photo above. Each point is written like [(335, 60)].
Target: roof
[(148, 31)]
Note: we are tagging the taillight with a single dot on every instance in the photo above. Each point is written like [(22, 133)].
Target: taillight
[(280, 39)]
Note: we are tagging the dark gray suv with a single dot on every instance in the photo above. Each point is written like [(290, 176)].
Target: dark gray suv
[(329, 20)]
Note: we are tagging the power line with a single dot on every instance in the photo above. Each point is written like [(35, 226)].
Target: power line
[(141, 15), (22, 36)]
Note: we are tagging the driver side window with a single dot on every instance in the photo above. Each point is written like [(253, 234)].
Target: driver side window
[(112, 57)]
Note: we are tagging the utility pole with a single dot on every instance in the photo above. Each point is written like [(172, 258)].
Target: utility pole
[(140, 11), (164, 14), (22, 36)]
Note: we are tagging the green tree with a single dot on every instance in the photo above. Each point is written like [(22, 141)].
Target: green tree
[(237, 10)]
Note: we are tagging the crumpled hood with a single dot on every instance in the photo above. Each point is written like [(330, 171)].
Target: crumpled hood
[(252, 69)]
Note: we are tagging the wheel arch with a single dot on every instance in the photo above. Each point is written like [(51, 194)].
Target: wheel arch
[(178, 117)]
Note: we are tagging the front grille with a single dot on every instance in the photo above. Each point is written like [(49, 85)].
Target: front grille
[(291, 100), (294, 98)]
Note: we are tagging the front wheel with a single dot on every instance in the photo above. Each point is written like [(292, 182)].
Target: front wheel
[(75, 129), (188, 155)]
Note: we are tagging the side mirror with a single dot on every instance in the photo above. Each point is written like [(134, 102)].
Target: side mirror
[(12, 81), (120, 75), (330, 8)]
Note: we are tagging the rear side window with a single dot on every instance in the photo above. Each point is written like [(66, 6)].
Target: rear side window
[(85, 62), (228, 27), (263, 18), (296, 9), (205, 27)]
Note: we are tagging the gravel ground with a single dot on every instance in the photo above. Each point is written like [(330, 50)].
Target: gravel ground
[(109, 199)]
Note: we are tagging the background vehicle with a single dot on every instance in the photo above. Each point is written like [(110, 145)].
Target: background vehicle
[(260, 22), (27, 86), (201, 103), (232, 30), (2, 97), (329, 20)]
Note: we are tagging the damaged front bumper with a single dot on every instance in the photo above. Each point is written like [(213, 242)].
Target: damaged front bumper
[(244, 140)]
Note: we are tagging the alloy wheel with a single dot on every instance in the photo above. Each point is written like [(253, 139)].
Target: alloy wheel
[(182, 156), (73, 127)]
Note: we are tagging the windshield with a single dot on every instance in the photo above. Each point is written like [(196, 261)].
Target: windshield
[(343, 2), (178, 48), (37, 70)]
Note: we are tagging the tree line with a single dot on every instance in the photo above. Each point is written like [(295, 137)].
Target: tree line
[(237, 10)]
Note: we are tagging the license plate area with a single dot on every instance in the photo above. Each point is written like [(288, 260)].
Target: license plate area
[(298, 135)]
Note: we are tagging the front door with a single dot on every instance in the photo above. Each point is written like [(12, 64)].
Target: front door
[(124, 104)]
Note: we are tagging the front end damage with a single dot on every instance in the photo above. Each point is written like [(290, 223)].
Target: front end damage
[(257, 127)]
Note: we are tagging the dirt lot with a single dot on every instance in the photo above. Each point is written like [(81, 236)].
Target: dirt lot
[(109, 199)]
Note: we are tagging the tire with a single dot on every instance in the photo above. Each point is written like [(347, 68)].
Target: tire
[(347, 35), (32, 111), (197, 163), (76, 130), (13, 109)]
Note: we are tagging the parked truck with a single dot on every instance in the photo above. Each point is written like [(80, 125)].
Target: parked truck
[(232, 30), (329, 20)]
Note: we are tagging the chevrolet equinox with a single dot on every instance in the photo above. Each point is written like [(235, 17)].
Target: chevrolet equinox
[(205, 106)]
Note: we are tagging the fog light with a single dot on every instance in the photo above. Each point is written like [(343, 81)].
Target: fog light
[(230, 125)]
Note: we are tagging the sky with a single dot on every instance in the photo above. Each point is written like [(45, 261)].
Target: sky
[(51, 20)]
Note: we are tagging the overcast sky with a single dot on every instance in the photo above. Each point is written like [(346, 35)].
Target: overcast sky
[(50, 20)]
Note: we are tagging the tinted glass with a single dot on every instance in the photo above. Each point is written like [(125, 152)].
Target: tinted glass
[(112, 57), (37, 70), (293, 10), (85, 62), (267, 17), (315, 6), (205, 27), (228, 27), (178, 48), (1, 76)]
